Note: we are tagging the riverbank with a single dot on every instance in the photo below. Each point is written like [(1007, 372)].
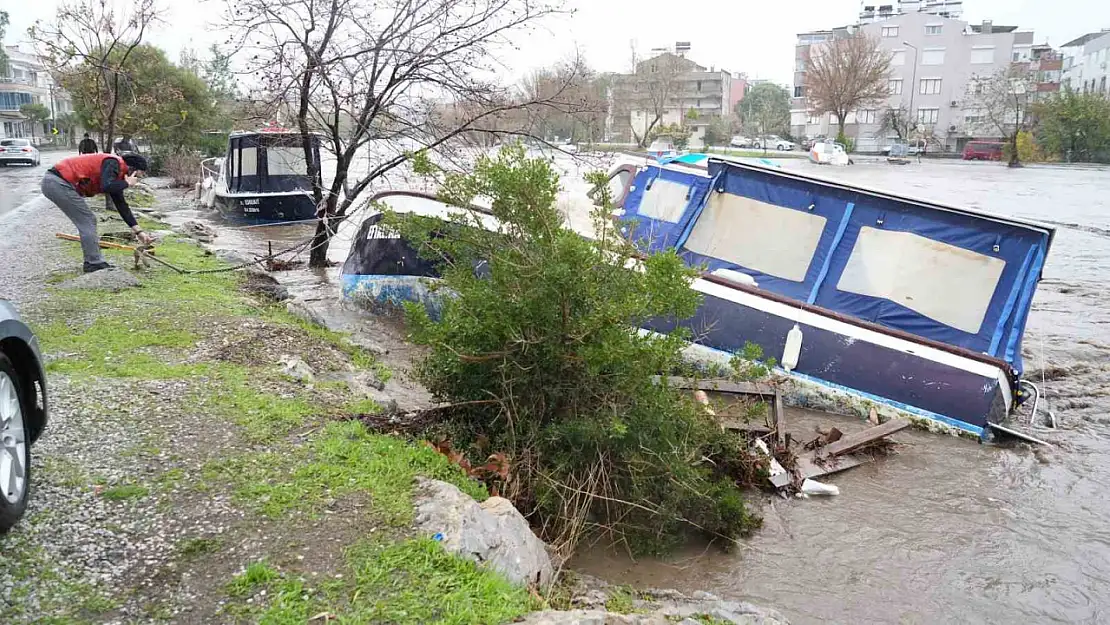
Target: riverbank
[(199, 465)]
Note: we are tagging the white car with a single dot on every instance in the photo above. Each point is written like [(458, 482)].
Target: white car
[(778, 143), (740, 141), (18, 151)]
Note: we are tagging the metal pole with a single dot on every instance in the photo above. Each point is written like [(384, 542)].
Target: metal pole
[(913, 84)]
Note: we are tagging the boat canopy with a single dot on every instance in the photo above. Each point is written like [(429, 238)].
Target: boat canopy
[(946, 274), (269, 162)]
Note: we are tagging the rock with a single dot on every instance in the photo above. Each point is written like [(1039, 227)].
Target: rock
[(113, 280), (300, 308), (197, 230), (591, 617), (233, 257), (493, 534), (263, 284), (298, 369)]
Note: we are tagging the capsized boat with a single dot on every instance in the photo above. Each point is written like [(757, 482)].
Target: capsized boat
[(865, 299), (900, 303), (263, 178)]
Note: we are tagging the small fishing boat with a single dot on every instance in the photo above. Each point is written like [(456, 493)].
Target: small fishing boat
[(866, 300), (263, 178)]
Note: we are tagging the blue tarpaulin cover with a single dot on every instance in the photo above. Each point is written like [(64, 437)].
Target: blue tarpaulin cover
[(847, 211)]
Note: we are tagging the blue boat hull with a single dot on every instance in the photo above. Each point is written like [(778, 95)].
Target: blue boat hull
[(865, 367)]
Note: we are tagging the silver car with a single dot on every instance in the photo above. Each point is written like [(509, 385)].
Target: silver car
[(22, 412), (18, 151)]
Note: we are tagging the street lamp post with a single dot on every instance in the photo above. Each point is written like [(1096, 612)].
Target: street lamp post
[(913, 84)]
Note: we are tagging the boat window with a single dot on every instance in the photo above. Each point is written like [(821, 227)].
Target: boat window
[(286, 161), (946, 283), (770, 239), (665, 200), (249, 158)]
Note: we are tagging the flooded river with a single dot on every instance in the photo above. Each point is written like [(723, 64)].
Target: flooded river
[(945, 530)]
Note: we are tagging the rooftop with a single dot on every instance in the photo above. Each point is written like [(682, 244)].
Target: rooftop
[(1079, 41)]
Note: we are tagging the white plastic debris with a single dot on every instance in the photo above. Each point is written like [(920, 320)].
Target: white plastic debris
[(793, 348), (813, 487)]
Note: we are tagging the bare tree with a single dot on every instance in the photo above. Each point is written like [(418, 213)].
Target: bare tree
[(91, 41), (895, 120), (381, 81), (573, 98), (847, 74), (654, 87), (1003, 100)]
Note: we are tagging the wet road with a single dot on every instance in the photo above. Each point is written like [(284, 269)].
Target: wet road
[(20, 183)]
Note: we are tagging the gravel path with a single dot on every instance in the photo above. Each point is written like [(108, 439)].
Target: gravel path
[(121, 526)]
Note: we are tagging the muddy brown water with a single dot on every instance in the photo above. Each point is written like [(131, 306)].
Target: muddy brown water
[(945, 530)]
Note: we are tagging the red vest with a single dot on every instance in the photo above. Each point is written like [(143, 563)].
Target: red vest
[(83, 172)]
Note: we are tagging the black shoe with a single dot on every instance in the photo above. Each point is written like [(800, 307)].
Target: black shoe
[(91, 267)]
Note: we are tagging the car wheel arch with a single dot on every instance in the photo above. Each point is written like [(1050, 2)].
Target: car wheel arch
[(32, 382)]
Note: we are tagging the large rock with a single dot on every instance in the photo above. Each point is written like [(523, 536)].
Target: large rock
[(590, 595), (113, 280), (494, 534), (592, 617), (297, 369)]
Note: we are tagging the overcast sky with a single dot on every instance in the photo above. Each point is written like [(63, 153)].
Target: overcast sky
[(753, 36)]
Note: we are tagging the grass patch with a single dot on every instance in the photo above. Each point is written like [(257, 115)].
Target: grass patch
[(620, 600), (362, 406), (252, 579), (124, 492), (199, 546), (411, 582), (345, 459)]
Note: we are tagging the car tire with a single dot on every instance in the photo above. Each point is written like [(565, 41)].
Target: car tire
[(12, 507)]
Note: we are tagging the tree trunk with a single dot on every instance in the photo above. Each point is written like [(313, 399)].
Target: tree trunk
[(318, 257), (1014, 160), (840, 125)]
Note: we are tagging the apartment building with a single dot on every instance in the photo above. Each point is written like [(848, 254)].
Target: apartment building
[(871, 12), (691, 87), (1086, 62), (933, 60), (27, 82)]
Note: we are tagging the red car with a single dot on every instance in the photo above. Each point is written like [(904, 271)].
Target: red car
[(982, 151)]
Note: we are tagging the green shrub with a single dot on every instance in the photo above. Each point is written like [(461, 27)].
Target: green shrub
[(545, 354)]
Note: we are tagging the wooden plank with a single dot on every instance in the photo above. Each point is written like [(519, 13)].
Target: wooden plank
[(779, 417), (852, 442), (807, 467), (719, 385), (103, 244)]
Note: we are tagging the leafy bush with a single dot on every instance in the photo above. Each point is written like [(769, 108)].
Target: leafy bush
[(542, 359), (848, 142)]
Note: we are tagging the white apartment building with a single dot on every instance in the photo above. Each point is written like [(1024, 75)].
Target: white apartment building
[(27, 81), (934, 58), (870, 11), (1086, 63)]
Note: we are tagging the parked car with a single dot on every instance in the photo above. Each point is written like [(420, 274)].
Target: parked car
[(22, 411), (18, 151), (740, 141), (982, 151), (784, 145)]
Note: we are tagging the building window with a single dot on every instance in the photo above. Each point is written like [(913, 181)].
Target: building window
[(929, 86), (932, 57), (814, 120), (932, 29), (928, 116), (699, 85), (890, 31), (973, 117), (898, 57), (12, 100), (866, 116), (800, 65), (1017, 57), (895, 86), (799, 91), (982, 56)]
